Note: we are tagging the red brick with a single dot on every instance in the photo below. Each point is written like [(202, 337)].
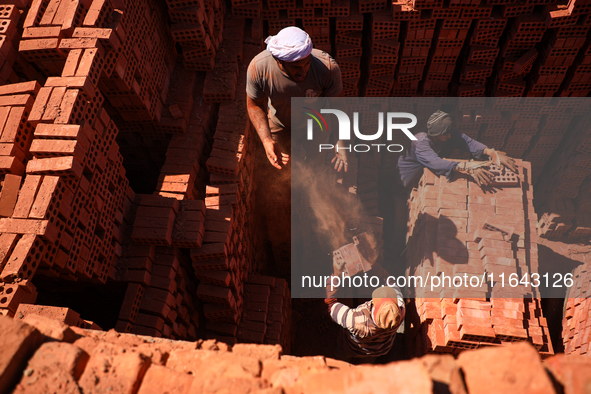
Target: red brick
[(27, 196), (65, 166), (42, 32), (9, 194), (44, 198), (30, 226), (18, 265), (22, 87), (11, 127), (115, 369), (55, 367), (72, 63), (49, 327), (159, 379), (19, 342), (23, 100), (105, 34), (83, 83), (39, 105)]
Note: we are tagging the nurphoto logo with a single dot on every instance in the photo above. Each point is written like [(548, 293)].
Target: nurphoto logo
[(344, 132)]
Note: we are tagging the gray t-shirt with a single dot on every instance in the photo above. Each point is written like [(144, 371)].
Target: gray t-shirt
[(264, 78)]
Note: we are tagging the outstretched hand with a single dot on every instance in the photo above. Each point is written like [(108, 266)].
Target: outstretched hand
[(340, 160), (274, 153), (482, 176), (501, 159)]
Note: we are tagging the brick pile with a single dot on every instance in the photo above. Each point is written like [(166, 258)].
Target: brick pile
[(565, 202), (64, 188), (348, 47), (575, 323), (159, 300), (266, 316), (197, 25), (46, 355), (504, 48), (134, 51), (457, 228), (221, 84), (9, 37)]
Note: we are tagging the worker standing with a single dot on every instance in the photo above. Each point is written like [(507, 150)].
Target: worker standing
[(289, 67)]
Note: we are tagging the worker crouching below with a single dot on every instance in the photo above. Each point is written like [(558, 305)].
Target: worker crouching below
[(368, 331)]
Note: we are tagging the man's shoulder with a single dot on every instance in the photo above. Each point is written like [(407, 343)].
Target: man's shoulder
[(262, 58), (422, 136), (324, 58)]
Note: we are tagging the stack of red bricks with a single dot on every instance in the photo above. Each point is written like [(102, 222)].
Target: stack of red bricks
[(197, 25), (576, 323), (16, 101), (456, 229), (183, 173), (384, 54), (9, 36), (266, 317), (577, 80), (159, 298), (447, 48), (48, 22), (221, 84), (348, 51), (134, 51), (566, 204), (69, 209), (143, 64)]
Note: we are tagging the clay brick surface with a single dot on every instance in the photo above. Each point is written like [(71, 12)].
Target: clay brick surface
[(19, 342)]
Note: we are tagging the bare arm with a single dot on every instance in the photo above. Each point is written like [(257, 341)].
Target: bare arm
[(258, 117)]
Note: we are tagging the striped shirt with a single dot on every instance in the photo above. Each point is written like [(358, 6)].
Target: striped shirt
[(365, 337)]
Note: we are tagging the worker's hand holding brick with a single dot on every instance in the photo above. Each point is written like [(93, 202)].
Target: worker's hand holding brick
[(501, 159), (482, 176)]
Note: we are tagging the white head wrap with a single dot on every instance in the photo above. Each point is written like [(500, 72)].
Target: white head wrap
[(290, 44)]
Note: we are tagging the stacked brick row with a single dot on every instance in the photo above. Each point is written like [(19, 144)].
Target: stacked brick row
[(9, 36), (385, 49), (457, 229), (62, 315), (197, 25), (159, 298), (348, 47), (136, 51), (226, 257), (16, 101), (266, 317), (221, 83), (566, 205), (575, 323), (64, 209)]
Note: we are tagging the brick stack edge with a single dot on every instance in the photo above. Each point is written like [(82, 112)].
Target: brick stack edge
[(43, 355), (456, 228), (109, 70), (66, 205), (576, 324)]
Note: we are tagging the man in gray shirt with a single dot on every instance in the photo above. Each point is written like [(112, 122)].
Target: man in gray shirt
[(289, 67)]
